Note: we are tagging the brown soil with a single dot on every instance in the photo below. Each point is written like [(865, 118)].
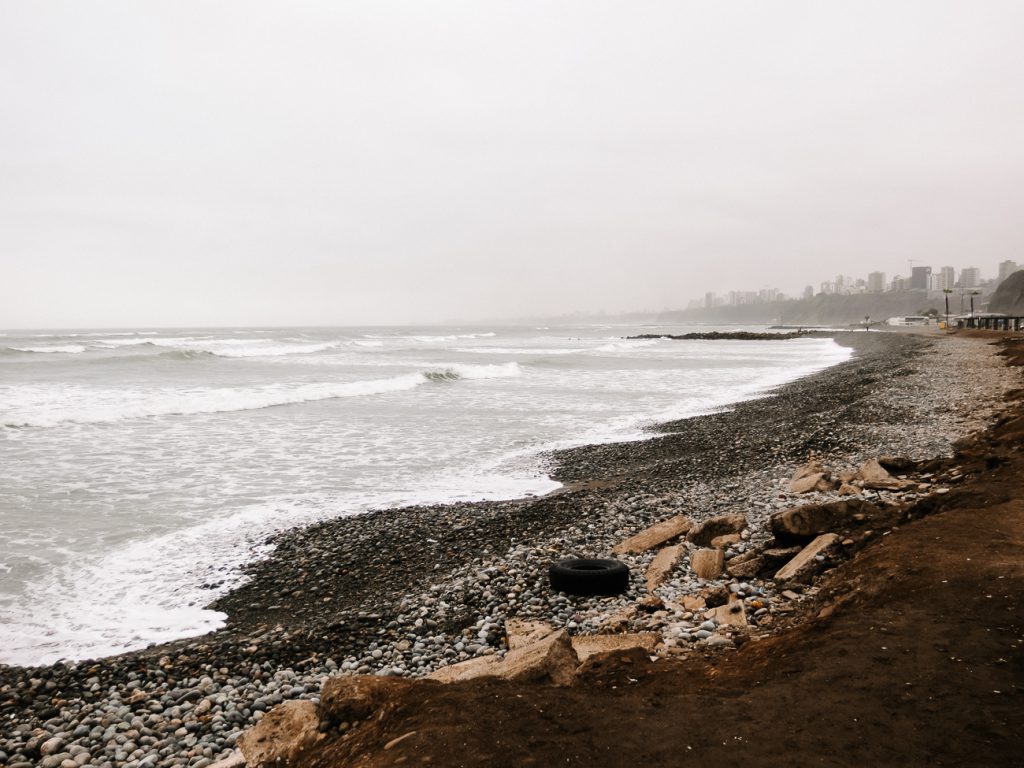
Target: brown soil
[(912, 655)]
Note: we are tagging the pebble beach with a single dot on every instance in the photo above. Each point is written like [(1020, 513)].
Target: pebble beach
[(404, 592)]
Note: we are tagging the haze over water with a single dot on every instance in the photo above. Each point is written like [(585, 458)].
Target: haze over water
[(142, 468)]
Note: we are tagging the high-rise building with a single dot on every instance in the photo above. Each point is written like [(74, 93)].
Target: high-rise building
[(919, 278), (709, 299), (876, 282), (947, 278), (1007, 268), (808, 291), (969, 278)]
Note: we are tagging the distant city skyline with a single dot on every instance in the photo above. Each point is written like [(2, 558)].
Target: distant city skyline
[(922, 277)]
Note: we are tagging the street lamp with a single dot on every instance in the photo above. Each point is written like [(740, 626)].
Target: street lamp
[(947, 291), (973, 294)]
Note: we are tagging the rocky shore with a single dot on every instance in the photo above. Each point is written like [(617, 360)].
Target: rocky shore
[(405, 592)]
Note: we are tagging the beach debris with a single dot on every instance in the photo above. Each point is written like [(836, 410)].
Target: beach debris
[(726, 541), (520, 633), (550, 659), (589, 645), (731, 614), (282, 735), (589, 576), (873, 472), (746, 565), (655, 536), (707, 563), (810, 520), (662, 565), (710, 529), (807, 562)]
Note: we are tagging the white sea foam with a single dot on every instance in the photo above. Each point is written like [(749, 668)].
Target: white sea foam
[(63, 349), (49, 405)]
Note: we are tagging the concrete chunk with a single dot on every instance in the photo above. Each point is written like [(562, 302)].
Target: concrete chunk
[(722, 525), (587, 645), (552, 658), (804, 565), (520, 633), (662, 565), (654, 536), (707, 563), (873, 472), (732, 614)]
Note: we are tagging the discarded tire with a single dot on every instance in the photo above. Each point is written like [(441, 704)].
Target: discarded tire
[(589, 577)]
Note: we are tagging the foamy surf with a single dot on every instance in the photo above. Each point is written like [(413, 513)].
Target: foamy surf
[(154, 499), (47, 406)]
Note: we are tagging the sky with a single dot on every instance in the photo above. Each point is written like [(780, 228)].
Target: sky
[(194, 163)]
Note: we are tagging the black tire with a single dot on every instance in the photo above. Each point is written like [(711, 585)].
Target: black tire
[(589, 577)]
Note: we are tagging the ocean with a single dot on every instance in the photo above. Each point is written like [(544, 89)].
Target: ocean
[(141, 469)]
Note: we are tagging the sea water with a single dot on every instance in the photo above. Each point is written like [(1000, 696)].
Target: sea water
[(140, 469)]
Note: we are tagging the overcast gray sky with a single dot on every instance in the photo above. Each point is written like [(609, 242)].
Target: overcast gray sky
[(191, 163)]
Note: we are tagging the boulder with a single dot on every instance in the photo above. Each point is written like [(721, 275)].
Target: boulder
[(819, 481), (776, 557), (707, 563), (351, 698), (620, 620), (747, 568), (805, 564), (520, 633), (732, 614), (654, 536), (471, 669), (550, 659), (693, 602), (713, 527), (280, 738), (588, 645), (805, 522), (662, 565), (848, 490), (873, 472), (812, 467), (726, 541)]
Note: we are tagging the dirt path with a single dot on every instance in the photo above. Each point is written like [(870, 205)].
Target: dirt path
[(915, 657)]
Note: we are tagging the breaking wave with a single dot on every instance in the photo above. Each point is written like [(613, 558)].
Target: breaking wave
[(43, 406)]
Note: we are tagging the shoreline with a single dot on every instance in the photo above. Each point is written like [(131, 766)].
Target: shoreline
[(337, 592)]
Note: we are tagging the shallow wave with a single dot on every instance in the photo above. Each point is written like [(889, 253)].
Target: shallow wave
[(63, 349), (45, 407), (187, 354), (456, 372)]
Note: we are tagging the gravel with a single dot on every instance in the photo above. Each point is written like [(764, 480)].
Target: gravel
[(404, 592)]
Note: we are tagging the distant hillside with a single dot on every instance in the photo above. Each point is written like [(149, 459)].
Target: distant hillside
[(819, 310)]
